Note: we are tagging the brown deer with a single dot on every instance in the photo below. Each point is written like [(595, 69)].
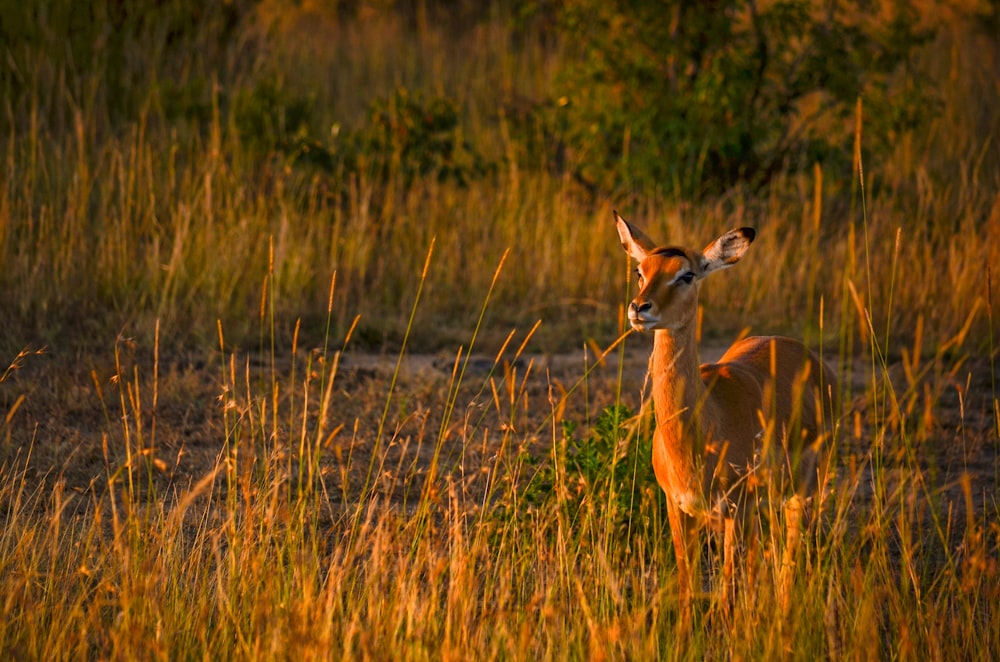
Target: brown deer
[(727, 433)]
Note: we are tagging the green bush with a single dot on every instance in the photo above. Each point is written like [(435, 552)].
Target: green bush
[(404, 137), (694, 97), (609, 470), (407, 136), (267, 118)]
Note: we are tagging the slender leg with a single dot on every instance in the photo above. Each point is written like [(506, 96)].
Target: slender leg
[(793, 525), (679, 534), (728, 563)]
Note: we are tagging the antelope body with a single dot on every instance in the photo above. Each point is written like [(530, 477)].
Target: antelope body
[(723, 430)]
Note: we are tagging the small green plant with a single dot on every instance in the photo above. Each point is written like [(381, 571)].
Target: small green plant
[(607, 471)]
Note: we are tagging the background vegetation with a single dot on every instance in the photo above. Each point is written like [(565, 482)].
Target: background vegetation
[(139, 138), (202, 203)]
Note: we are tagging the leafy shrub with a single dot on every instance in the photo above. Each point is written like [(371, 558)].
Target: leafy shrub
[(407, 136), (266, 117), (609, 468), (693, 97), (402, 138)]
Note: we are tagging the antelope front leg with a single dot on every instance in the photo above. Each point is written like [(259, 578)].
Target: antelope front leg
[(684, 535), (793, 524), (728, 563)]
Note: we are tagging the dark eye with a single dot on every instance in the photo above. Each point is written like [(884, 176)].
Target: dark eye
[(686, 277), (639, 275)]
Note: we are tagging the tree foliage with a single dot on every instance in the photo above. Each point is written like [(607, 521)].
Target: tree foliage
[(695, 96)]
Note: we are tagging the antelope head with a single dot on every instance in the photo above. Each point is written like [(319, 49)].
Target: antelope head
[(669, 275)]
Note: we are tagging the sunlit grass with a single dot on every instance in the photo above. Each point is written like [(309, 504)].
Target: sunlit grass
[(298, 541), (293, 542), (334, 516), (104, 230)]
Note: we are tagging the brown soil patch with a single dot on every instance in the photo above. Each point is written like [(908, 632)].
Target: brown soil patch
[(79, 421)]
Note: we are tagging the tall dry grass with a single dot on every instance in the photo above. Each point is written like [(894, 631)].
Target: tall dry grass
[(298, 542), (409, 537), (106, 227)]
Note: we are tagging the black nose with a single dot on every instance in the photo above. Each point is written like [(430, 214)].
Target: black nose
[(640, 307)]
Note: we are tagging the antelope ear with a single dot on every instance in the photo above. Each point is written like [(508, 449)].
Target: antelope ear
[(726, 250), (634, 241)]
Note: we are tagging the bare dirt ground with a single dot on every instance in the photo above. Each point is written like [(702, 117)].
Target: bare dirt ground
[(77, 420)]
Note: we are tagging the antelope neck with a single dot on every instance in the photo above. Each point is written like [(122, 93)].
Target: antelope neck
[(677, 386), (678, 396)]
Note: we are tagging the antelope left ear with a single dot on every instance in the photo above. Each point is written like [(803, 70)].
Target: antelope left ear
[(634, 241), (726, 250)]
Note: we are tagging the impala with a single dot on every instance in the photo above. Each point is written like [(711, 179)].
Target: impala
[(727, 433)]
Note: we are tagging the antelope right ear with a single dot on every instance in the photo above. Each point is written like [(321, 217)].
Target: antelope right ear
[(635, 243), (726, 250)]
